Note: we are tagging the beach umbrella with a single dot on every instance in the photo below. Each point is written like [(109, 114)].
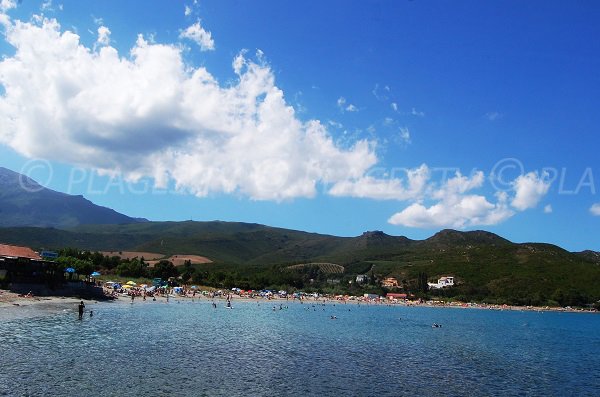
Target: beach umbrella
[(70, 270), (131, 283), (95, 274), (127, 286)]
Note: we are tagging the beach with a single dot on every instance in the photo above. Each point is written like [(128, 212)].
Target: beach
[(13, 305)]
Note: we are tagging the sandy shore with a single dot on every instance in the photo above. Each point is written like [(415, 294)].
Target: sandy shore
[(13, 305)]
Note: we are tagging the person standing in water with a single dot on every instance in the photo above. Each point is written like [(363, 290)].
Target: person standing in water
[(81, 307)]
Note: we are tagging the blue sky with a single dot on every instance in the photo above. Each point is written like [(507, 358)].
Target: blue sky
[(333, 117)]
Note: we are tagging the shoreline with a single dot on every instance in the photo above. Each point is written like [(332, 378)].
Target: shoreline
[(12, 303)]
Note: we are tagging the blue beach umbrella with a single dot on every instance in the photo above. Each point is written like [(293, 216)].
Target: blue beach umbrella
[(95, 274), (70, 270)]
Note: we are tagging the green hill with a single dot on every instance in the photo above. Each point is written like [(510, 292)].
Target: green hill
[(485, 266)]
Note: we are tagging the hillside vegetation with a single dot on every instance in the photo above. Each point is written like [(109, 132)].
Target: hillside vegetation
[(485, 266)]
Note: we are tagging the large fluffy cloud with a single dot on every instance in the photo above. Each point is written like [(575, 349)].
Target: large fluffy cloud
[(455, 208), (150, 114)]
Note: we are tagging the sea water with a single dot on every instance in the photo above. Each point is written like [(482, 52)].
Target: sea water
[(189, 348)]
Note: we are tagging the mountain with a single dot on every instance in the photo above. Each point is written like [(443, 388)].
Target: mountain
[(24, 202)]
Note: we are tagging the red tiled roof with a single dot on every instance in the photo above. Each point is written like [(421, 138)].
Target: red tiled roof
[(395, 295), (16, 251)]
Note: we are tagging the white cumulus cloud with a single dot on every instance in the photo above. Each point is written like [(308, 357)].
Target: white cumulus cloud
[(595, 209), (530, 188), (148, 114), (455, 208), (197, 34), (411, 187)]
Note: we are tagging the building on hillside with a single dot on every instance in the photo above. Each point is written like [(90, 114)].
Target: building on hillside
[(390, 282), (446, 281), (362, 278)]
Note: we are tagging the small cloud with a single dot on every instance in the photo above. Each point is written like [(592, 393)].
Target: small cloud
[(548, 209), (595, 209), (197, 34), (6, 5), (335, 124), (394, 106), (341, 103), (382, 94), (187, 11), (493, 116), (103, 36), (414, 112), (529, 190), (404, 135), (47, 6)]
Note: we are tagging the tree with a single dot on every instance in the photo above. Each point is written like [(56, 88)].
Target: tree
[(188, 270), (422, 285), (164, 269), (132, 268)]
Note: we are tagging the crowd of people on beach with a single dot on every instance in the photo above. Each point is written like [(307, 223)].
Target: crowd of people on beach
[(144, 291)]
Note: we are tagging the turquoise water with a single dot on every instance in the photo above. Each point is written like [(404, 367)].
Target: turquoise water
[(190, 349)]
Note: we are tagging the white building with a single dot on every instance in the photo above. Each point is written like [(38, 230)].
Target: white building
[(446, 281), (361, 278)]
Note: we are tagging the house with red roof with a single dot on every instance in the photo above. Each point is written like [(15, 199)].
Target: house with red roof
[(15, 251), (23, 265)]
